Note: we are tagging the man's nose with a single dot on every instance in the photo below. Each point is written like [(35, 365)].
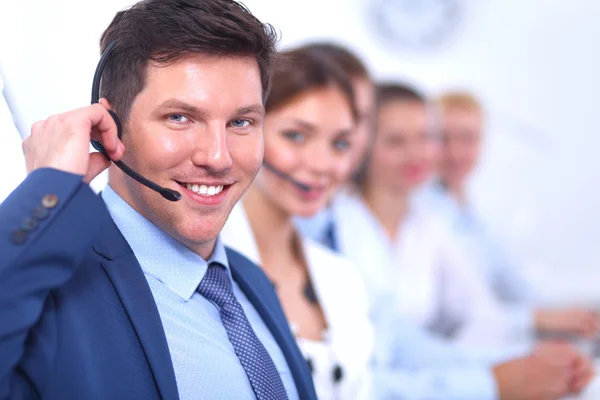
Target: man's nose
[(211, 150)]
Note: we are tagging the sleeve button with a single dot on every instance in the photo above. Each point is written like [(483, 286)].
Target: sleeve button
[(39, 213), (19, 237), (50, 201), (29, 224)]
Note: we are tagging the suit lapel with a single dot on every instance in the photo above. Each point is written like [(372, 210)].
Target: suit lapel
[(256, 288), (132, 288)]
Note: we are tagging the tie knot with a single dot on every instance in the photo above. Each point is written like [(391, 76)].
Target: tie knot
[(215, 264), (216, 286)]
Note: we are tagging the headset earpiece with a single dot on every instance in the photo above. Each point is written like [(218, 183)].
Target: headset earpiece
[(115, 118), (169, 194)]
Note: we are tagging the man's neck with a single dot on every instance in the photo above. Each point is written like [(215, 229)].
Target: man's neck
[(457, 191)]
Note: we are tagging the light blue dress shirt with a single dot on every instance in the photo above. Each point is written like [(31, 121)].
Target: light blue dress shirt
[(495, 260), (411, 363), (204, 360)]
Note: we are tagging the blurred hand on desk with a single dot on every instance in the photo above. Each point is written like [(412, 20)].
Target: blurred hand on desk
[(552, 371)]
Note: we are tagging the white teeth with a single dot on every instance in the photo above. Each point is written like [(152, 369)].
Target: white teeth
[(203, 189)]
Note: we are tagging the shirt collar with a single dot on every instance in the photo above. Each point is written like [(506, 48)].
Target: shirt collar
[(160, 255)]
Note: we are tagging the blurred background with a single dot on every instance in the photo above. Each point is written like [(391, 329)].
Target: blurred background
[(533, 63)]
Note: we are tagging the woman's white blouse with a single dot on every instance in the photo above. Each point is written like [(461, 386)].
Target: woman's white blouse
[(422, 273), (343, 299)]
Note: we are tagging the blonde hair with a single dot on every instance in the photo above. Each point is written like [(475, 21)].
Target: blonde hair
[(458, 100)]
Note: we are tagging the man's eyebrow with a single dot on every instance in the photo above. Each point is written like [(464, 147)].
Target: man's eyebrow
[(180, 105), (192, 109), (254, 108)]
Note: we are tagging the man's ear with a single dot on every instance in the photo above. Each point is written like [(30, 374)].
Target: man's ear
[(105, 103)]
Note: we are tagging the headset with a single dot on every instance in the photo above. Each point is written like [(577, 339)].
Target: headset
[(169, 194), (302, 186)]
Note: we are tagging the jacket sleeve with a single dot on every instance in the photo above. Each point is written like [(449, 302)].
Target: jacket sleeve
[(47, 227)]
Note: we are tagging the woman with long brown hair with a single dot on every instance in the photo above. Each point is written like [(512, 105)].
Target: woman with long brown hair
[(309, 123)]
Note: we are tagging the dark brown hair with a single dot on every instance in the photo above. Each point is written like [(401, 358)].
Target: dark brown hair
[(303, 69), (348, 61), (163, 31), (388, 92)]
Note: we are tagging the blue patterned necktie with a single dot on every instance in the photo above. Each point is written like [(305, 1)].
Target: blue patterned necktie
[(259, 367)]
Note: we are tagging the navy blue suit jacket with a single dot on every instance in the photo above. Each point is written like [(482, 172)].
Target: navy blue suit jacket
[(77, 317)]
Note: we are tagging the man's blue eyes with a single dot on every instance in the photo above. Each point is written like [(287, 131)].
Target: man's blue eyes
[(178, 118), (240, 123), (236, 123)]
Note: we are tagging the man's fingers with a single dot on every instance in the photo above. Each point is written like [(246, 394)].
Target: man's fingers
[(104, 130), (37, 126), (97, 164)]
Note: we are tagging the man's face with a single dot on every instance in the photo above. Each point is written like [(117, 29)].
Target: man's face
[(196, 127), (461, 144)]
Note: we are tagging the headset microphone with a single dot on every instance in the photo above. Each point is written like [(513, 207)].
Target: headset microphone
[(302, 186), (168, 194)]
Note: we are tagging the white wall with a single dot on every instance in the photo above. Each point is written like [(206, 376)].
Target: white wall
[(535, 63), (11, 155)]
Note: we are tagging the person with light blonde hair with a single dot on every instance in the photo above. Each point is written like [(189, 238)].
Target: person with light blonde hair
[(462, 118), (423, 296)]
